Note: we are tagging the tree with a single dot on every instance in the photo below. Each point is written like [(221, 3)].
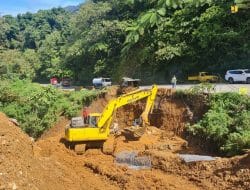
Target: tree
[(16, 64)]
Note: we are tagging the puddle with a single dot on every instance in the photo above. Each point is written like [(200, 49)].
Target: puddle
[(132, 160), (195, 158)]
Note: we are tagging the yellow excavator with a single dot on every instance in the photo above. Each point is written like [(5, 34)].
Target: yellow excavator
[(96, 130)]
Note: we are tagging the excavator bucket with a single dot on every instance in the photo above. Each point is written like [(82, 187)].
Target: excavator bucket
[(134, 132)]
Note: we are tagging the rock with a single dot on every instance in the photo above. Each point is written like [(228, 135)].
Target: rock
[(14, 121), (14, 186)]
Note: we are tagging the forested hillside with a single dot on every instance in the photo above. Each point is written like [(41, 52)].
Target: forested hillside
[(30, 43), (151, 40)]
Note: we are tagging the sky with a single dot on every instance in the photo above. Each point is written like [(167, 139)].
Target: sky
[(14, 7)]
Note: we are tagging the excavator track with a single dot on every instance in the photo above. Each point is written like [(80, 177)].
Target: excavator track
[(108, 145), (80, 148)]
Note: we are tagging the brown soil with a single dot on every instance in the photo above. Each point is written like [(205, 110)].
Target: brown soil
[(48, 164)]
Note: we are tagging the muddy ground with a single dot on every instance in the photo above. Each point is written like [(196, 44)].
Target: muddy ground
[(48, 164)]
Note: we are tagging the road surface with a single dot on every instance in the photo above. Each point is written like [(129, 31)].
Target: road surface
[(217, 87)]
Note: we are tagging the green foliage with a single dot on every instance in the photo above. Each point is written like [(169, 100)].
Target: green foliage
[(190, 36), (151, 40), (243, 4), (14, 63), (202, 88), (226, 124), (22, 36), (36, 107)]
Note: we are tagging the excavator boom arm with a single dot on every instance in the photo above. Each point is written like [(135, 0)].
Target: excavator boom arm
[(134, 96)]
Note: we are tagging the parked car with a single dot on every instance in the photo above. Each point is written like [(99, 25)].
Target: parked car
[(66, 81), (101, 82), (238, 75)]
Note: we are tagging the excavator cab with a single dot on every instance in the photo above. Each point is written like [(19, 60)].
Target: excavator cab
[(92, 120)]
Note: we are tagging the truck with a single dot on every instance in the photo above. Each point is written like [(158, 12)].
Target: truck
[(53, 80), (101, 82), (204, 77), (95, 130), (127, 85), (126, 82)]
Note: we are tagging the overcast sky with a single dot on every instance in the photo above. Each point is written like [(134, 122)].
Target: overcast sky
[(14, 7)]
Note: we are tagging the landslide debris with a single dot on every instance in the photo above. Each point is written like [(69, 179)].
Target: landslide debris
[(48, 164), (164, 141), (25, 164)]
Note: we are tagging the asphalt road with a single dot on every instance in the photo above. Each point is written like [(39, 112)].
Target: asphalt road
[(217, 87)]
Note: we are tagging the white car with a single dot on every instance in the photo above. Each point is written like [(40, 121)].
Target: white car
[(101, 82), (239, 75)]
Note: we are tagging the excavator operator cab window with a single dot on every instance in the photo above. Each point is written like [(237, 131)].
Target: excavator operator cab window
[(92, 121)]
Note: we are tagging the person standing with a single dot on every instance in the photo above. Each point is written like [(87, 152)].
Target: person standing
[(173, 82), (85, 114)]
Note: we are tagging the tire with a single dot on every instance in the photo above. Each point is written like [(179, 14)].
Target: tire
[(231, 80), (248, 81)]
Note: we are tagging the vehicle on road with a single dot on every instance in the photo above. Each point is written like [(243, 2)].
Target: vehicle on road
[(126, 82), (66, 82), (127, 85), (204, 77), (95, 130), (101, 82), (238, 75), (53, 80)]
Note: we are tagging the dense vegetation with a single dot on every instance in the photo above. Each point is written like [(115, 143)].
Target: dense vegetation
[(30, 43), (36, 108), (226, 125), (151, 40)]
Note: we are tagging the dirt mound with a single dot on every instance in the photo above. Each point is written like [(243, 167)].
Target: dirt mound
[(46, 164), (169, 171), (73, 173), (226, 173), (16, 156), (19, 169), (132, 179)]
